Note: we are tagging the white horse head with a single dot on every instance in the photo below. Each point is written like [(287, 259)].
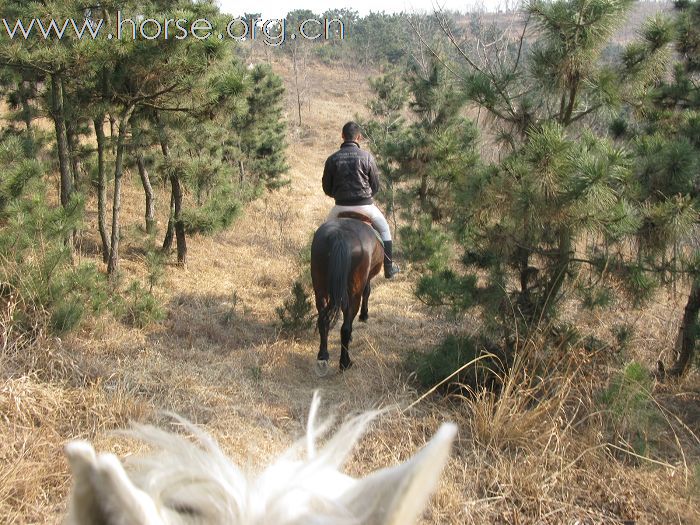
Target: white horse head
[(187, 483)]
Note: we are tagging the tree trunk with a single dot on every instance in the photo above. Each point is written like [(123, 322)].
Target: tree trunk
[(25, 91), (170, 231), (113, 262), (72, 137), (685, 343), (59, 120), (423, 191), (175, 221), (165, 148), (523, 257), (566, 120), (101, 186), (561, 267), (147, 188), (112, 126), (179, 224)]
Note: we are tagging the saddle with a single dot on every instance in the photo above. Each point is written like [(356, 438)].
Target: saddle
[(355, 215), (360, 217)]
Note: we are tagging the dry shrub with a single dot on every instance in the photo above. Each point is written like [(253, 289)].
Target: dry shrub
[(542, 451), (533, 398)]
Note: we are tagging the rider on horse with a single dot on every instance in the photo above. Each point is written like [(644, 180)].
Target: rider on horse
[(351, 177)]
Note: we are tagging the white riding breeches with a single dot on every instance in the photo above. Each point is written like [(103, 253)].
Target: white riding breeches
[(370, 211)]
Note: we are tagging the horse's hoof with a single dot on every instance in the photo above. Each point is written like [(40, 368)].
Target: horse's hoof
[(344, 367), (321, 367), (364, 317)]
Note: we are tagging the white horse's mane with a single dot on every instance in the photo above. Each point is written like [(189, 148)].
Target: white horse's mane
[(192, 482)]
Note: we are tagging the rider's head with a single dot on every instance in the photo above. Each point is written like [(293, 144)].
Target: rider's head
[(352, 131)]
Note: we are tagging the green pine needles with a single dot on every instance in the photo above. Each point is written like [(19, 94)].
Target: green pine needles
[(295, 315), (562, 209)]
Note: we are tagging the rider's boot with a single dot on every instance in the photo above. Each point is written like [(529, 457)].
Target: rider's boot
[(390, 269)]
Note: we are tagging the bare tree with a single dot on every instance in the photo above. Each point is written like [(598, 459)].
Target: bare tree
[(299, 56)]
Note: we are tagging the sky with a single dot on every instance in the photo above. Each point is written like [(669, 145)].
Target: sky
[(278, 8)]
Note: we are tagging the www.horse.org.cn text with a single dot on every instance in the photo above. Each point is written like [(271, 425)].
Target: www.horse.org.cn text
[(273, 32)]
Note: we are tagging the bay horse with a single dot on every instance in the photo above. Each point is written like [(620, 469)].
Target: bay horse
[(346, 254)]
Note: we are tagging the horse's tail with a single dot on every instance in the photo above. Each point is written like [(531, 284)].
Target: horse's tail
[(339, 264)]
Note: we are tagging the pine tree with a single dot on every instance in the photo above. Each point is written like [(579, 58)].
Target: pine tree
[(47, 292), (159, 76), (261, 129), (196, 155), (665, 134), (421, 158), (386, 129), (53, 61), (20, 91), (558, 202), (185, 110)]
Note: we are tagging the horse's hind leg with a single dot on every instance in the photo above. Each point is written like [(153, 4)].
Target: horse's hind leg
[(346, 332), (323, 328), (323, 324), (364, 310)]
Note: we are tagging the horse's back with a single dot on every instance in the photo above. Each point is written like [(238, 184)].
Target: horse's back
[(345, 225)]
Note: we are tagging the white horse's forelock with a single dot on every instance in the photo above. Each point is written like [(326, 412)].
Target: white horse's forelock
[(193, 482)]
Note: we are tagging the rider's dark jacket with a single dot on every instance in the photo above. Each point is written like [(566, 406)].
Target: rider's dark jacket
[(351, 175)]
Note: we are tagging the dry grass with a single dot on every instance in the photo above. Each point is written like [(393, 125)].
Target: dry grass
[(37, 418), (545, 452), (537, 454)]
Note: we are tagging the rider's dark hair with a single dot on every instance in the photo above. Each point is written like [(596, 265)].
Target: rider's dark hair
[(351, 131)]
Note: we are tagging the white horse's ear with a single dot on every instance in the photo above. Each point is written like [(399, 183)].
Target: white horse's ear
[(398, 495), (122, 499), (83, 507), (102, 493)]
